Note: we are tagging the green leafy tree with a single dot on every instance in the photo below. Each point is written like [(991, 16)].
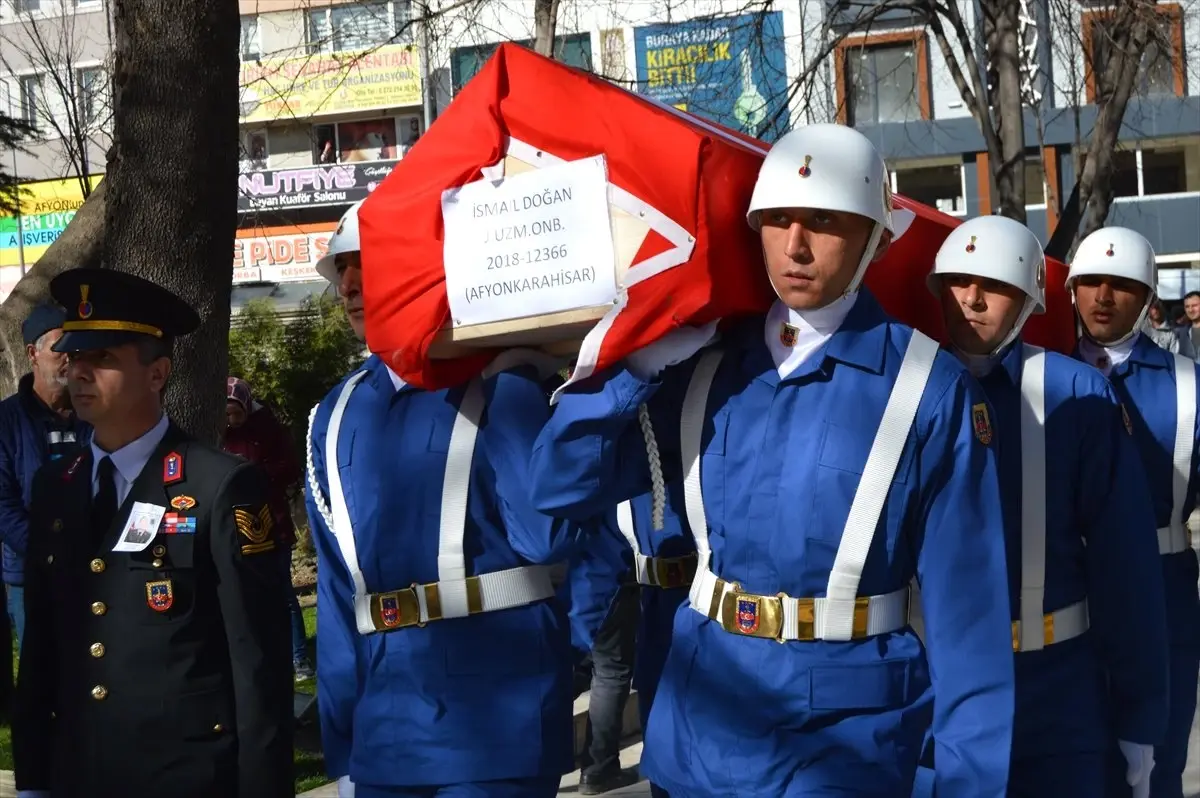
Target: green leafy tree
[(12, 133), (292, 365)]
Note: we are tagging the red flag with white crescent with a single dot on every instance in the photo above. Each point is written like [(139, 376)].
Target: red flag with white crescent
[(685, 180)]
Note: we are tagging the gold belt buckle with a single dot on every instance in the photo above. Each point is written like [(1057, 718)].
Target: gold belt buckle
[(398, 609), (752, 616), (672, 572), (1047, 631)]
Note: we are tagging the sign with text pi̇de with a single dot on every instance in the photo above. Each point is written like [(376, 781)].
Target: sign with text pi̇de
[(528, 245), (278, 259), (310, 186)]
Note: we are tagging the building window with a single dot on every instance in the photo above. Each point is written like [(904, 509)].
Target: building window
[(365, 140), (253, 154), (359, 27), (26, 6), (1161, 70), (573, 49), (883, 78), (1165, 170), (249, 41), (1035, 181), (32, 97), (938, 185), (89, 84), (1155, 168)]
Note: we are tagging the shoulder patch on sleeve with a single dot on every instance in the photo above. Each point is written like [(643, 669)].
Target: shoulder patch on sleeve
[(254, 522), (982, 423)]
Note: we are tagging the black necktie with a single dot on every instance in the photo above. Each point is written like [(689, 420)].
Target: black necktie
[(104, 504)]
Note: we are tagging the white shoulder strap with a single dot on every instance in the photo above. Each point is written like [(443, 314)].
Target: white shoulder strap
[(452, 567), (1033, 497), (1185, 424), (691, 428), (341, 527), (625, 524), (873, 488)]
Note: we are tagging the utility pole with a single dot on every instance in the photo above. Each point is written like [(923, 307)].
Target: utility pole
[(428, 94)]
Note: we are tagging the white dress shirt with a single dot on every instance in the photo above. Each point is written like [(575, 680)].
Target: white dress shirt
[(1105, 357), (813, 328), (129, 460)]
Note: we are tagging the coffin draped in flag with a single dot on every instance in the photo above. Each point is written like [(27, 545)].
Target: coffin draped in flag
[(677, 190)]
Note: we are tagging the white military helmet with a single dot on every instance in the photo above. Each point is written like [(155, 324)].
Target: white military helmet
[(1117, 252), (832, 167), (1001, 249), (344, 239)]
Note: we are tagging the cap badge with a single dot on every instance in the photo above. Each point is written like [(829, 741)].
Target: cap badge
[(971, 245), (85, 307), (804, 170), (1110, 252)]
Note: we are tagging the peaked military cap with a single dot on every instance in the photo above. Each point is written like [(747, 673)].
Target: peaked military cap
[(109, 308)]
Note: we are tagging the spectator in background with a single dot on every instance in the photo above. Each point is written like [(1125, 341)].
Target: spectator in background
[(36, 425), (1160, 330), (1191, 309), (254, 433)]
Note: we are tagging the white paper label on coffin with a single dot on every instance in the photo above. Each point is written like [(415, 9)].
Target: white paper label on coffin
[(632, 220), (529, 244)]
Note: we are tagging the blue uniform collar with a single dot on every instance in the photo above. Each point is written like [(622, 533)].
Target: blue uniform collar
[(859, 342), (1147, 353), (1012, 360)]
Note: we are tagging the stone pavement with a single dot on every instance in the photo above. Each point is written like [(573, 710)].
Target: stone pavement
[(632, 753)]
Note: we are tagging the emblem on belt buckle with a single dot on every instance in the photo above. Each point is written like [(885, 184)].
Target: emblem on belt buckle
[(389, 610), (674, 574), (748, 616)]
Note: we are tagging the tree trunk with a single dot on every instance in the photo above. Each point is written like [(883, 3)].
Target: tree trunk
[(1005, 58), (80, 244), (172, 209), (1120, 72), (545, 18)]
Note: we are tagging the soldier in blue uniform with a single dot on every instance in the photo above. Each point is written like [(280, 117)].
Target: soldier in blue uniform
[(664, 553), (1113, 278), (444, 664), (794, 671), (1085, 585)]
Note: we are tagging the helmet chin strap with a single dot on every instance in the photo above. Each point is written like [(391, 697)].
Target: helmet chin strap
[(1018, 325), (867, 257), (982, 365)]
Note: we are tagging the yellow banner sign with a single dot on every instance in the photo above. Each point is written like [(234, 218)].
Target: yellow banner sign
[(325, 83), (46, 209)]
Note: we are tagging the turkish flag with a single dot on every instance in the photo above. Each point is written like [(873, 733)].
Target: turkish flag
[(682, 185)]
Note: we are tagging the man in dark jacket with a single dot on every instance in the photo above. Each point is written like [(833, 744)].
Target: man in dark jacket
[(36, 426), (152, 668), (255, 434)]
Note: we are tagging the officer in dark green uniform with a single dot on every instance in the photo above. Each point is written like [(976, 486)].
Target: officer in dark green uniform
[(156, 662)]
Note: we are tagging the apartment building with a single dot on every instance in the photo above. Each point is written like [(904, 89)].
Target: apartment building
[(334, 93)]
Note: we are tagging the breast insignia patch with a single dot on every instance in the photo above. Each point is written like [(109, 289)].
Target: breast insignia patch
[(160, 595), (982, 423), (255, 524), (183, 503)]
